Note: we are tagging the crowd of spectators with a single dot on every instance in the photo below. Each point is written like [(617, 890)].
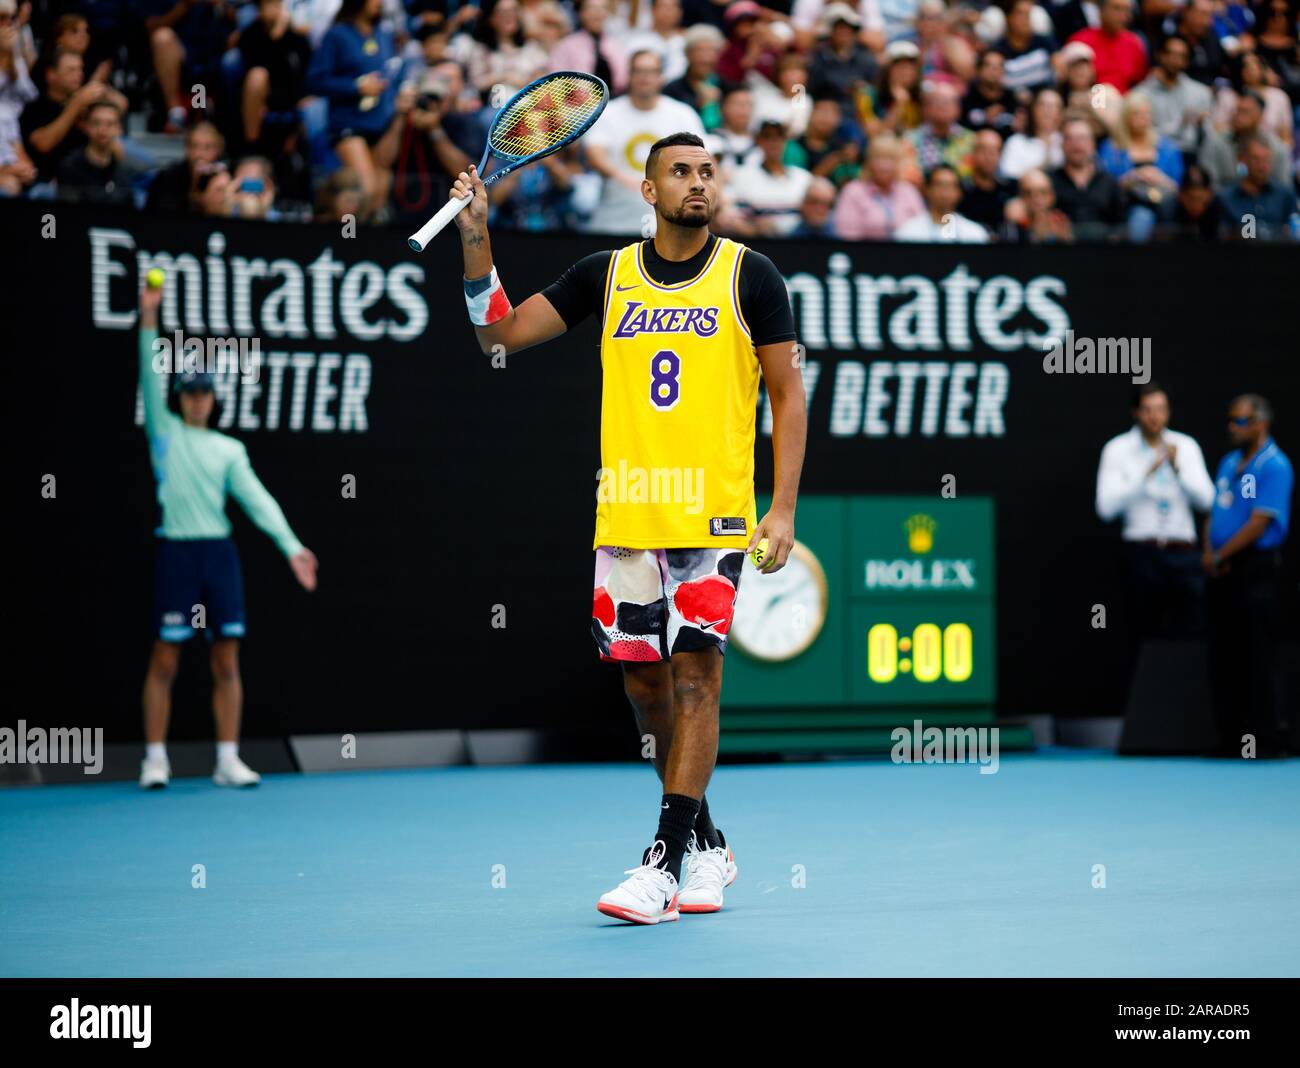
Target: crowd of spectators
[(916, 120)]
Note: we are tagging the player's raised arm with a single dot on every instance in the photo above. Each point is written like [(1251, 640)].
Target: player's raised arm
[(495, 321), (158, 419)]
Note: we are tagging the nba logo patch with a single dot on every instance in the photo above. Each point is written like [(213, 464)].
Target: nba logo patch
[(726, 525)]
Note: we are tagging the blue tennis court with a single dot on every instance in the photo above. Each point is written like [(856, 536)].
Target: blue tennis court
[(907, 871)]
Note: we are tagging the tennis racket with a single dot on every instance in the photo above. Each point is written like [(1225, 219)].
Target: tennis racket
[(541, 118)]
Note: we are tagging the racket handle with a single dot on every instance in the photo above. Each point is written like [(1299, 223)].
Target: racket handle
[(429, 230)]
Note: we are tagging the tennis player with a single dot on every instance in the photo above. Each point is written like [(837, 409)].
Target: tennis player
[(197, 566), (688, 320)]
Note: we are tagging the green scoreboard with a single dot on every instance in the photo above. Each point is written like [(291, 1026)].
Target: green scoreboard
[(886, 604)]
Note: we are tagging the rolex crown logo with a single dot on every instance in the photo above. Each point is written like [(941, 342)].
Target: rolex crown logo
[(920, 533)]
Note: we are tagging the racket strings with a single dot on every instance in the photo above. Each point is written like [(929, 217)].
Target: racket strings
[(546, 117)]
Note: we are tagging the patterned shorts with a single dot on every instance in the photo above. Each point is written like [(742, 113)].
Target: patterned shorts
[(651, 603)]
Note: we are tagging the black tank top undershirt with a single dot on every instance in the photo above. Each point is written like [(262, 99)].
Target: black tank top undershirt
[(580, 291)]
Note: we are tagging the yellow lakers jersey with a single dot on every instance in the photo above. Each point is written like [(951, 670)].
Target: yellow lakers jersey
[(677, 407)]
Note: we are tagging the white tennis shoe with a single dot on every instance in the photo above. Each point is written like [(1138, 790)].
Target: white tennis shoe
[(234, 772), (155, 774), (708, 873), (648, 896)]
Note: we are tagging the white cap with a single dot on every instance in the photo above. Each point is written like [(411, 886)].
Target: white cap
[(839, 12), (1077, 50)]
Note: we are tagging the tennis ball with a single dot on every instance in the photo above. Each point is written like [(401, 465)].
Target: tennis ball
[(154, 279), (759, 555)]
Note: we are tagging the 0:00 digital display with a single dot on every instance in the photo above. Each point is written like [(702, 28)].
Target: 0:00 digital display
[(928, 654)]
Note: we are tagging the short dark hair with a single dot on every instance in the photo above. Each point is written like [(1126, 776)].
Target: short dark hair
[(1145, 390), (929, 175), (1073, 118), (631, 60), (1252, 94), (427, 30), (671, 141), (350, 10), (57, 56)]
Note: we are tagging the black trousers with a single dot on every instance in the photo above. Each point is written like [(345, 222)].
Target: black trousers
[(1166, 591), (1244, 621)]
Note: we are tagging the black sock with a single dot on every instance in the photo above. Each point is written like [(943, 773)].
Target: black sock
[(704, 829), (677, 814)]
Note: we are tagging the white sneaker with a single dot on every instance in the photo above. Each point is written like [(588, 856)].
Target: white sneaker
[(234, 772), (649, 896), (155, 774), (706, 876)]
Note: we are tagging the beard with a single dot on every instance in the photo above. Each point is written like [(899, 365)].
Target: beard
[(690, 216)]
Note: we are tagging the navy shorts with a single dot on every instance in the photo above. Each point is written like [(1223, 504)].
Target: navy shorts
[(371, 137), (190, 573)]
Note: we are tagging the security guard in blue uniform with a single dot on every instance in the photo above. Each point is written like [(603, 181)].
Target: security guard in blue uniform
[(1243, 538)]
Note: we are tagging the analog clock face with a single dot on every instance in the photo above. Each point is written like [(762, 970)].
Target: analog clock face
[(779, 616)]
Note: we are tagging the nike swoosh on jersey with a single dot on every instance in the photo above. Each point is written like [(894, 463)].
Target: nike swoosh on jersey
[(624, 289)]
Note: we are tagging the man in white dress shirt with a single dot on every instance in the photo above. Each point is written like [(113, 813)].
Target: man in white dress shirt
[(1154, 477)]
